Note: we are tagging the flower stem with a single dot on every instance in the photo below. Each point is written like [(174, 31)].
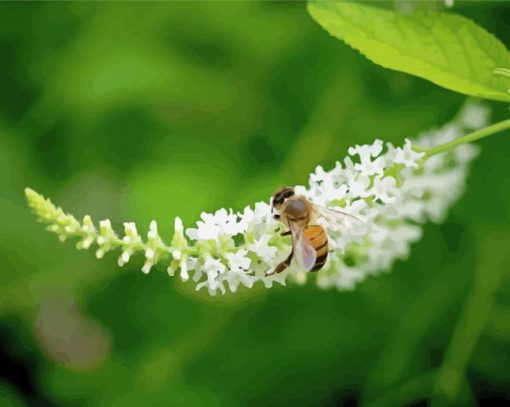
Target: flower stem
[(468, 138), (489, 274)]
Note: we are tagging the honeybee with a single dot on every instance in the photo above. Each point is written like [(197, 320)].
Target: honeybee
[(309, 240)]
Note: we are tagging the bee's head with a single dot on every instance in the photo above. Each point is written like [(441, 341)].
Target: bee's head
[(281, 196)]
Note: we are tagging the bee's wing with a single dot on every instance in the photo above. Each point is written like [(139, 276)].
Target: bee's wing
[(336, 219), (303, 250)]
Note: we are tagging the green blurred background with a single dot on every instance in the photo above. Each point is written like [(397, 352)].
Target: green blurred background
[(140, 111)]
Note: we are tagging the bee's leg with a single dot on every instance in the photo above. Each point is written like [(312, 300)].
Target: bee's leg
[(282, 266), (285, 233)]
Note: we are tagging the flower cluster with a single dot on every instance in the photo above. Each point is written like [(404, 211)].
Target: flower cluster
[(391, 189)]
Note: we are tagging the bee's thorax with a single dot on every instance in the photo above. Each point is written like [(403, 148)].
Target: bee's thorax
[(297, 209)]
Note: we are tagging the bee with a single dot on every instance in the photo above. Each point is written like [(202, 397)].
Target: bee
[(309, 240)]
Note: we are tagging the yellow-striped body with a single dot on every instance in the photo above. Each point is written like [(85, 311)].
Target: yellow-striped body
[(309, 240), (319, 240)]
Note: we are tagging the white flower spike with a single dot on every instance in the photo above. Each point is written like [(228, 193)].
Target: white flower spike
[(393, 189)]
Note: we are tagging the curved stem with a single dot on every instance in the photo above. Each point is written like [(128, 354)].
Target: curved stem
[(494, 261), (468, 138)]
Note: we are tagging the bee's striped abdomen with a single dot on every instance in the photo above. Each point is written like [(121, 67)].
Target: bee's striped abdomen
[(317, 236)]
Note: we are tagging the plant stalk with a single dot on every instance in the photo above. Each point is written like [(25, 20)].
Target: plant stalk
[(468, 138)]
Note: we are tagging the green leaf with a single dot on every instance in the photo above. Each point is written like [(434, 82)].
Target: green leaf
[(446, 49)]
